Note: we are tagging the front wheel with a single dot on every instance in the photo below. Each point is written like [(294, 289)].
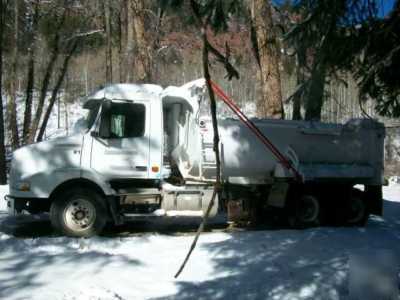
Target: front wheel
[(78, 213)]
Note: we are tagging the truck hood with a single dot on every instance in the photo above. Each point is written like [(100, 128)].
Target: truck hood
[(45, 157)]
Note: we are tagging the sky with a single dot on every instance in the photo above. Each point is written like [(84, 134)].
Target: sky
[(385, 6)]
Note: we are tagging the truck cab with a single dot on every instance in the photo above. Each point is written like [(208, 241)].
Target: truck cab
[(112, 167)]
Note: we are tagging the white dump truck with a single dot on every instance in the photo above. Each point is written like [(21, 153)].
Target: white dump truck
[(145, 151)]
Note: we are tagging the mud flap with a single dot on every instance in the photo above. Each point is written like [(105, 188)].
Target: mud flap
[(114, 210), (278, 194), (373, 196)]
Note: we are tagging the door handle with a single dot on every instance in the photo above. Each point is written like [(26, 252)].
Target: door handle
[(141, 168)]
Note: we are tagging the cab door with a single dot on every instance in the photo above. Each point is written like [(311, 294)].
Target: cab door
[(121, 147)]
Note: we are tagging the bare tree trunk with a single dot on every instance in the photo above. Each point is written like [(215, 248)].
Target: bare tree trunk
[(315, 93), (129, 53), (297, 107), (58, 113), (143, 65), (156, 46), (49, 71), (57, 87), (298, 98), (213, 107), (31, 74), (207, 49), (123, 18), (107, 23), (12, 104), (66, 116), (3, 173), (270, 104)]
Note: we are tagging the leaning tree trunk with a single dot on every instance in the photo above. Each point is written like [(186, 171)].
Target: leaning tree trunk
[(46, 80), (207, 49), (270, 103), (143, 69), (12, 104), (31, 74), (213, 108), (57, 87), (3, 173)]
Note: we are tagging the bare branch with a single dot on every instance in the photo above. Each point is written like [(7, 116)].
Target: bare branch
[(207, 48), (85, 34), (232, 72)]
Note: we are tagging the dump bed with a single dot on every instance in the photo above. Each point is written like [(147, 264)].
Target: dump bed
[(349, 152), (352, 152)]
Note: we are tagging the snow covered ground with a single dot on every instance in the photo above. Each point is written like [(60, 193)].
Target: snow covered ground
[(140, 264)]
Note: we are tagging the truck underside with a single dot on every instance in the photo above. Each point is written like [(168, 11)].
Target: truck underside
[(316, 204)]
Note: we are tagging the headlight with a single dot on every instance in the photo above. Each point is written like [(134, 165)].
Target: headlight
[(23, 186)]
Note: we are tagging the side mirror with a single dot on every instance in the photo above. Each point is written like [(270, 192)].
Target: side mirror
[(94, 134), (106, 105)]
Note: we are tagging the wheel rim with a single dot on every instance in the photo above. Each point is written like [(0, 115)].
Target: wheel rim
[(357, 210), (308, 210), (79, 214)]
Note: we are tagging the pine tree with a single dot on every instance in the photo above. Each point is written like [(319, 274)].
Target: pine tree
[(379, 63), (348, 36)]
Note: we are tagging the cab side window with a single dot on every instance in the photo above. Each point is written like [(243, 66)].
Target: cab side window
[(127, 120)]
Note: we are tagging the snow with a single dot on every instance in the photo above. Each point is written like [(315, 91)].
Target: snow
[(139, 261)]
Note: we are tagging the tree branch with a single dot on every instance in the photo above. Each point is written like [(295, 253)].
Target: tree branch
[(84, 34), (207, 48)]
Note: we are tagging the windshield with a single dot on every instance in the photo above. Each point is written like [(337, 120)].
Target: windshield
[(91, 115), (92, 106)]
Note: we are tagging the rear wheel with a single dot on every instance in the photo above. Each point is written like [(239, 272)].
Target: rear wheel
[(78, 213), (357, 210), (305, 213)]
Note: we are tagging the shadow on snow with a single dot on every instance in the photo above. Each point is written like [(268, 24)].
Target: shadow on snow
[(269, 264), (290, 264)]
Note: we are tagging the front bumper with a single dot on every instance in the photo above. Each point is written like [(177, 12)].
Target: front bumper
[(10, 205), (18, 206)]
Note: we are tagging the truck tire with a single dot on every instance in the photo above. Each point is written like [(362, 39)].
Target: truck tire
[(305, 213), (357, 209), (78, 213)]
